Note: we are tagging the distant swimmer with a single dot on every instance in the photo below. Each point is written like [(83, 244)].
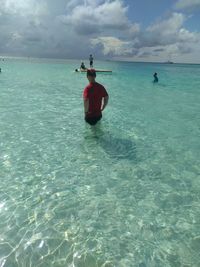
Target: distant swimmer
[(82, 67), (155, 77), (91, 59), (0, 70), (95, 99)]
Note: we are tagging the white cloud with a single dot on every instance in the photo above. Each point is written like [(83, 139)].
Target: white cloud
[(168, 31), (167, 39), (23, 7), (71, 4), (102, 27), (187, 4), (16, 36), (134, 29), (102, 21), (168, 26), (176, 52), (113, 45), (188, 37), (95, 16)]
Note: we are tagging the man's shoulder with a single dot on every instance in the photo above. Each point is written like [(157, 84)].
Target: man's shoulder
[(99, 85), (87, 86)]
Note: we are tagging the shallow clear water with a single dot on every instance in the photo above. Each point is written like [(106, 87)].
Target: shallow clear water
[(124, 193)]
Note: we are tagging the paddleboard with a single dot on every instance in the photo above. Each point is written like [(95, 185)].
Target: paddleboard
[(108, 71)]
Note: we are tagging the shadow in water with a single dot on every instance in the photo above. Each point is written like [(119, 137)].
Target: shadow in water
[(158, 84), (116, 147)]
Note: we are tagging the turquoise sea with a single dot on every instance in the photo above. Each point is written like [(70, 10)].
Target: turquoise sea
[(125, 193)]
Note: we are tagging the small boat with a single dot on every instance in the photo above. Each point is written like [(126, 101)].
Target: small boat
[(168, 62), (105, 71)]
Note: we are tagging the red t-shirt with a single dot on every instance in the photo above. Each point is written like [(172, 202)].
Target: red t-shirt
[(94, 92)]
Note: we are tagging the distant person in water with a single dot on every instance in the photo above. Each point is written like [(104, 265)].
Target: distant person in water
[(95, 99), (155, 77), (91, 59), (82, 67), (0, 70)]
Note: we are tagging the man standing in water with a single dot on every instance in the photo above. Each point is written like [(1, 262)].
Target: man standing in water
[(95, 99), (91, 61)]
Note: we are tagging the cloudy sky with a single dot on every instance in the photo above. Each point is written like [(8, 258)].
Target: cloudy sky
[(138, 30)]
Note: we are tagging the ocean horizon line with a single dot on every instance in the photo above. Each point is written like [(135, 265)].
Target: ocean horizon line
[(97, 59)]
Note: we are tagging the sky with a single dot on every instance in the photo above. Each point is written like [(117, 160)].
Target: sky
[(133, 30)]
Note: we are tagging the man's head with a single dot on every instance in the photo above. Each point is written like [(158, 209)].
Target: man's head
[(91, 75)]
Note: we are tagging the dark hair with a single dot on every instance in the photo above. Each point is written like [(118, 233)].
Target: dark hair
[(91, 73)]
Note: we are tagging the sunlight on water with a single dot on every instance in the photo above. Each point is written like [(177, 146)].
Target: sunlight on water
[(123, 193)]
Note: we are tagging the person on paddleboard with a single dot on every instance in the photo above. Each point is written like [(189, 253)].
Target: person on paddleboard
[(91, 59), (82, 67), (95, 99)]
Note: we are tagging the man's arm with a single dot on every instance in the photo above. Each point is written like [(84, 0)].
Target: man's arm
[(105, 102), (86, 105)]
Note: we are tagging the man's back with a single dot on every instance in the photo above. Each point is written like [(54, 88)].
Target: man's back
[(94, 92), (95, 99)]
